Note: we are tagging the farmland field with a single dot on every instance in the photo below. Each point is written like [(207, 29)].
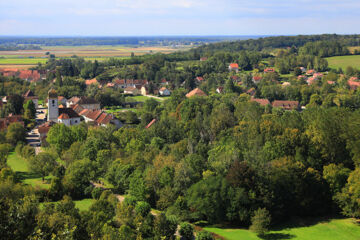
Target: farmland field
[(24, 59), (338, 229), (344, 61)]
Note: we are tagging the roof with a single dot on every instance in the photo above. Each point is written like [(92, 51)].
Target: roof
[(104, 119), (163, 89), (29, 93), (74, 100), (87, 100), (84, 112), (64, 116), (257, 78), (260, 101), (91, 81), (119, 81), (45, 127), (130, 89), (29, 74), (61, 106), (353, 85), (93, 115), (196, 92), (77, 108), (69, 111), (60, 98), (200, 79), (251, 91), (288, 105), (151, 123), (52, 93), (267, 70), (234, 65)]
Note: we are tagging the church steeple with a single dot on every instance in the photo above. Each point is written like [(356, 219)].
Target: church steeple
[(53, 108)]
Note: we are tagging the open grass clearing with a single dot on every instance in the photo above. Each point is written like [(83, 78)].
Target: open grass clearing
[(19, 166), (336, 229), (344, 61)]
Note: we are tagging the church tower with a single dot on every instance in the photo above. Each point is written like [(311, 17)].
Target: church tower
[(53, 108)]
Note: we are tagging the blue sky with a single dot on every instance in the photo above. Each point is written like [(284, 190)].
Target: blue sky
[(177, 17)]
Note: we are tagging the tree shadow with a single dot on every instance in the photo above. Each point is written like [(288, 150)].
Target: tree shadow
[(296, 222), (27, 175), (277, 236)]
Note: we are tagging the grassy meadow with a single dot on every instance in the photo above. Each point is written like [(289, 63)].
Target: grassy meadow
[(19, 166), (336, 229), (344, 61)]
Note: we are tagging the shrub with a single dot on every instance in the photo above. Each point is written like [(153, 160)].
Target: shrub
[(204, 236), (260, 221), (186, 231)]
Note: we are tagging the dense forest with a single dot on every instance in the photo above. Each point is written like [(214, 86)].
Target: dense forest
[(215, 159)]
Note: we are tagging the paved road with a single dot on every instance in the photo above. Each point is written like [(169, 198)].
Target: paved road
[(33, 136)]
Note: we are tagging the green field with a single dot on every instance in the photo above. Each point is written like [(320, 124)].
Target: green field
[(22, 61), (344, 61), (337, 229), (19, 166)]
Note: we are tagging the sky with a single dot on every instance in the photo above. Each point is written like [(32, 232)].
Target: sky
[(177, 17)]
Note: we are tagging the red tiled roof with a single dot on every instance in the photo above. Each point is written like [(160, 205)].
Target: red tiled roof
[(151, 123), (251, 91), (262, 102), (267, 70), (44, 128), (104, 119), (196, 92), (29, 75), (64, 116), (234, 65), (93, 115), (353, 85), (162, 89), (91, 81), (200, 79), (257, 78)]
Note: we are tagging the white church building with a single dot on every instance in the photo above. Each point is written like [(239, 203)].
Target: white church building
[(66, 116)]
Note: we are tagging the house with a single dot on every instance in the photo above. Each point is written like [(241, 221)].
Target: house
[(199, 79), (353, 84), (196, 92), (303, 69), (144, 90), (269, 70), (310, 72), (120, 83), (30, 75), (164, 82), (220, 90), (84, 102), (77, 108), (132, 91), (44, 129), (110, 85), (99, 118), (164, 91), (29, 95), (234, 67), (91, 81), (5, 122), (251, 92), (256, 79), (88, 103), (202, 59), (72, 101), (151, 123), (286, 105), (62, 100), (311, 80), (262, 102), (68, 117)]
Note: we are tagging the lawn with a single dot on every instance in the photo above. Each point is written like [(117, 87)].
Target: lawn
[(19, 166), (336, 229), (84, 204), (344, 61), (143, 99)]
